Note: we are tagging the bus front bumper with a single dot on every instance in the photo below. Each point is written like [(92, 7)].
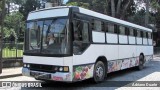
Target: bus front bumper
[(58, 76)]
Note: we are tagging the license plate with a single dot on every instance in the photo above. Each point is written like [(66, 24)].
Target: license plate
[(40, 75)]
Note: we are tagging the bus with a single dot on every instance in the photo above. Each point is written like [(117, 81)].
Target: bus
[(70, 44)]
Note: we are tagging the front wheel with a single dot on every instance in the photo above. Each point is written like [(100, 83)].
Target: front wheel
[(99, 72)]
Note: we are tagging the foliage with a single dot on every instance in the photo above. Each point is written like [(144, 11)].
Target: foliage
[(29, 6), (81, 4), (13, 23)]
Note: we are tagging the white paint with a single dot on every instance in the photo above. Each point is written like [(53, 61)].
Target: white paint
[(89, 56), (123, 39), (150, 41), (48, 5), (111, 52), (68, 61), (145, 41), (112, 38), (43, 60), (48, 13), (126, 51), (98, 37), (139, 40), (132, 40)]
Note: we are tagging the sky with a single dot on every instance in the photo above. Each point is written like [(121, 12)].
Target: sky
[(65, 1)]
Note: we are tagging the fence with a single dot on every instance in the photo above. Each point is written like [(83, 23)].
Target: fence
[(12, 50), (156, 50)]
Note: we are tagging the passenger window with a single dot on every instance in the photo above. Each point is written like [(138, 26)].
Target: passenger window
[(106, 27), (122, 30), (144, 35), (149, 35), (111, 28), (138, 34), (103, 26), (126, 31), (81, 36), (97, 26), (131, 32)]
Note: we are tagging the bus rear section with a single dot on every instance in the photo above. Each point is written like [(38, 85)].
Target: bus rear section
[(47, 54)]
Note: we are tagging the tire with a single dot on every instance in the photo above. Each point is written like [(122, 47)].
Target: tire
[(99, 72), (141, 62)]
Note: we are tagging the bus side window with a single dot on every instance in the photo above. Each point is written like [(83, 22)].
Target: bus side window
[(97, 26), (131, 32), (111, 28)]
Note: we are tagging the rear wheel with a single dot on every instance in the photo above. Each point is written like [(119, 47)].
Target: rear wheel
[(99, 72), (141, 62)]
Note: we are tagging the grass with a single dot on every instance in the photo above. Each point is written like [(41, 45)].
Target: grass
[(11, 53)]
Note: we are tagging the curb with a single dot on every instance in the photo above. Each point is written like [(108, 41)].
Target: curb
[(9, 76)]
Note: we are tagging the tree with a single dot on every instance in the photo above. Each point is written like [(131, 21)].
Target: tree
[(81, 4), (115, 8), (13, 22), (28, 6)]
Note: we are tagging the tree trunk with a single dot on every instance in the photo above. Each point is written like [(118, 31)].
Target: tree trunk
[(113, 8), (147, 13), (106, 7), (118, 8), (125, 9)]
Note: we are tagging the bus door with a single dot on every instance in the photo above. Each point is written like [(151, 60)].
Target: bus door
[(81, 36)]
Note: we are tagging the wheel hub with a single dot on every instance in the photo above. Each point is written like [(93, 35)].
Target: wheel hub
[(99, 72)]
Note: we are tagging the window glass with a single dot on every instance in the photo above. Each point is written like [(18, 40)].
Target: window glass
[(103, 26), (121, 30), (97, 25), (131, 32), (111, 28), (55, 36), (138, 33), (144, 34), (106, 27), (49, 36), (34, 29), (149, 35)]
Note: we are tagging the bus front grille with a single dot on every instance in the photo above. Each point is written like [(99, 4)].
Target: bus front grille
[(43, 68)]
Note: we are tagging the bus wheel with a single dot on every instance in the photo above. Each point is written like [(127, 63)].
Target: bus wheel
[(141, 62), (99, 72)]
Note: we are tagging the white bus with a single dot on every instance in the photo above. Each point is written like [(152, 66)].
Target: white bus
[(70, 44)]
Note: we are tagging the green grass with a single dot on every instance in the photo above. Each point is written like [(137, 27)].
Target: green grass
[(11, 53)]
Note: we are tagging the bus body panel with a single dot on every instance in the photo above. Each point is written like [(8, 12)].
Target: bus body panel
[(44, 60), (48, 14)]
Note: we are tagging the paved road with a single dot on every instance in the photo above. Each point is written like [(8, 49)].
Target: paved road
[(150, 73)]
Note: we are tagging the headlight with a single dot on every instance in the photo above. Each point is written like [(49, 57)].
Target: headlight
[(28, 66), (61, 69), (25, 65)]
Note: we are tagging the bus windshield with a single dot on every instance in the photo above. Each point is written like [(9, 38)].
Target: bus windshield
[(49, 36)]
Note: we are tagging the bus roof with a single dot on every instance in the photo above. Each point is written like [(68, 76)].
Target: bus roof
[(98, 15)]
